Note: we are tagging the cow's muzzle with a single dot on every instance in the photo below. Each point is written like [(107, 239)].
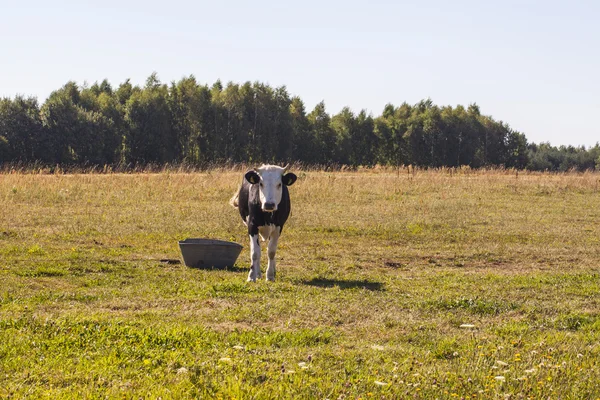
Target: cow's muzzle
[(269, 207)]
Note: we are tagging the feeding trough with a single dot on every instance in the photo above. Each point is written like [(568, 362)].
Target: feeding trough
[(209, 253)]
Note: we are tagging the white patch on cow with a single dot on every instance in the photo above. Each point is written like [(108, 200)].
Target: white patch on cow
[(266, 231), (272, 233), (271, 250), (270, 186), (255, 259)]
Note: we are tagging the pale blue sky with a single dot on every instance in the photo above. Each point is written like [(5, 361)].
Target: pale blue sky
[(532, 64)]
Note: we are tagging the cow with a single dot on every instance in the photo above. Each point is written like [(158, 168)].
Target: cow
[(263, 201)]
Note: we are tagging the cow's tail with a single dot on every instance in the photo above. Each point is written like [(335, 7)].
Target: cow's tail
[(234, 200)]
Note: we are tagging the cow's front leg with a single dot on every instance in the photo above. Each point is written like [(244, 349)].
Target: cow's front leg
[(272, 249), (254, 258)]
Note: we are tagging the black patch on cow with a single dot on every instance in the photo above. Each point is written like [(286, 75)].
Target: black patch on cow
[(252, 177), (289, 179)]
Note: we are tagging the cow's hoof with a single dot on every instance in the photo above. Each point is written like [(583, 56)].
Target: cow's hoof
[(251, 279), (270, 279)]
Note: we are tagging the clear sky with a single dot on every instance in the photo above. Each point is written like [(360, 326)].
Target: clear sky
[(532, 64)]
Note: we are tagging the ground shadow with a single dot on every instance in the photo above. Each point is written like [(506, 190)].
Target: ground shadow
[(342, 284), (230, 268), (233, 268)]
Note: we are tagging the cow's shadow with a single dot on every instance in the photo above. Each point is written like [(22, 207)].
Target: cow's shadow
[(344, 284)]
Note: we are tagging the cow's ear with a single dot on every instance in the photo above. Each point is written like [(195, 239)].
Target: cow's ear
[(252, 177), (289, 179)]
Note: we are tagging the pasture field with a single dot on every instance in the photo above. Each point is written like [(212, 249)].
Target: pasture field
[(469, 284)]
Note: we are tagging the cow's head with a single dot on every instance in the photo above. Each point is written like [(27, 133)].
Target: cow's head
[(270, 180)]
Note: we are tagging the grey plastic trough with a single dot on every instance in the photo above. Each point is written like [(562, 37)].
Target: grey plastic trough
[(209, 253)]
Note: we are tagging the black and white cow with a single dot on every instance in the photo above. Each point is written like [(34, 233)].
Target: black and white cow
[(264, 204)]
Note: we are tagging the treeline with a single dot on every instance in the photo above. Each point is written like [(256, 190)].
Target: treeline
[(189, 123)]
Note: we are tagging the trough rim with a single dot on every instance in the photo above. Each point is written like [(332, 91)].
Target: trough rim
[(208, 242)]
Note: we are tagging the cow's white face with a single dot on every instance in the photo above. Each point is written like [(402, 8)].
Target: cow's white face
[(270, 188), (270, 180)]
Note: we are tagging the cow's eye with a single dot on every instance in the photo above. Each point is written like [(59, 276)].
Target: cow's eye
[(261, 184), (279, 186)]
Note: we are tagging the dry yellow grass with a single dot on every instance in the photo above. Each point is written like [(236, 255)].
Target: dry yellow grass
[(378, 270)]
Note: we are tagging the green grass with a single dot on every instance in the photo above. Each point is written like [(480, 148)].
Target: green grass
[(432, 285)]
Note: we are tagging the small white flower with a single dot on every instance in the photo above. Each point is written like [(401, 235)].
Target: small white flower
[(530, 371), (501, 363), (238, 347), (182, 370), (500, 378), (226, 360), (381, 383), (377, 347)]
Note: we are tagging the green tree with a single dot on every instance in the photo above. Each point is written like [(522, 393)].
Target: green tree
[(390, 128), (283, 139), (324, 135), (304, 147), (21, 131), (191, 113), (365, 142), (150, 137), (344, 126), (77, 132), (516, 150)]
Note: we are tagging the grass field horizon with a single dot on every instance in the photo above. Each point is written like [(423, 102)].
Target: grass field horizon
[(430, 284)]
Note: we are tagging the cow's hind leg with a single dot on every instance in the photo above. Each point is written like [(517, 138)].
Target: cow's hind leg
[(255, 258), (272, 249)]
